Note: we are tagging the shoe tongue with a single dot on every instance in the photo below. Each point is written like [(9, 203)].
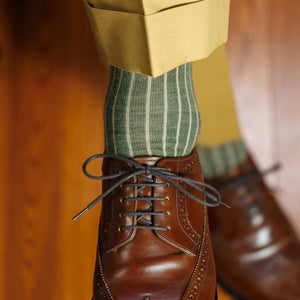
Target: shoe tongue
[(148, 160), (183, 163)]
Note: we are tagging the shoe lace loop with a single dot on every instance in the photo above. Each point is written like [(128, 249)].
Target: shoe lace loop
[(136, 169)]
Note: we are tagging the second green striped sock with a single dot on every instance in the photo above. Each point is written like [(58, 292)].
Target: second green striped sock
[(217, 160)]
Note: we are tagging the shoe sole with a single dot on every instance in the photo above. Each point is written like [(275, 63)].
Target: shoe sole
[(216, 296)]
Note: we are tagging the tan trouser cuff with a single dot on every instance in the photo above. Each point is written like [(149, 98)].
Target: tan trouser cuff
[(156, 43)]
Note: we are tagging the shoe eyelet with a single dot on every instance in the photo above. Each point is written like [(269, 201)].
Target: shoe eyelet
[(120, 215), (169, 228), (168, 213), (121, 200), (167, 198)]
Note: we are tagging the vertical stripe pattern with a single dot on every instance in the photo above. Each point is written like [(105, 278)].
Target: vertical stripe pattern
[(147, 119), (190, 113), (196, 111), (112, 81), (128, 137), (179, 111), (147, 116), (113, 114), (165, 115)]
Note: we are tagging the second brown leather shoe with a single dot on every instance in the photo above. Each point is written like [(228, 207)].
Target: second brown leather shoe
[(257, 253), (154, 236)]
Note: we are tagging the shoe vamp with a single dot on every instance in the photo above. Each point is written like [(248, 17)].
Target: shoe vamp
[(147, 266), (125, 289)]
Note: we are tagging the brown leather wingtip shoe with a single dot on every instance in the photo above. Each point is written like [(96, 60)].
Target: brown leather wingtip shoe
[(154, 236), (257, 253)]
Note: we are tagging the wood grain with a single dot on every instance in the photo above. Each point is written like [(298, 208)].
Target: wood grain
[(264, 60), (52, 90), (54, 108), (5, 120)]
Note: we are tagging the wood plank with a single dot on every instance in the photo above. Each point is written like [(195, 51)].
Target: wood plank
[(57, 95), (251, 67), (285, 79), (6, 67), (264, 62)]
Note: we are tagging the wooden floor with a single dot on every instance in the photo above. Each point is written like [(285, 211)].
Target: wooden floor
[(52, 89)]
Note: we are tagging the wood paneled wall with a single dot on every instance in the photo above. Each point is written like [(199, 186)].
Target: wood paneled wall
[(52, 89)]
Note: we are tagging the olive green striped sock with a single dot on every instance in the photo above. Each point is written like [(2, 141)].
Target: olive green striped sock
[(217, 160), (146, 116)]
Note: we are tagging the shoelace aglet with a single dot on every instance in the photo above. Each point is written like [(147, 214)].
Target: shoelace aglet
[(79, 214)]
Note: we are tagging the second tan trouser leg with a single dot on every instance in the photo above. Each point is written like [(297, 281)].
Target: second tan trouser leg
[(214, 94)]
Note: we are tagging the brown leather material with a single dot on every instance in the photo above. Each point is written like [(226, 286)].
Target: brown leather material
[(134, 264), (257, 253)]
